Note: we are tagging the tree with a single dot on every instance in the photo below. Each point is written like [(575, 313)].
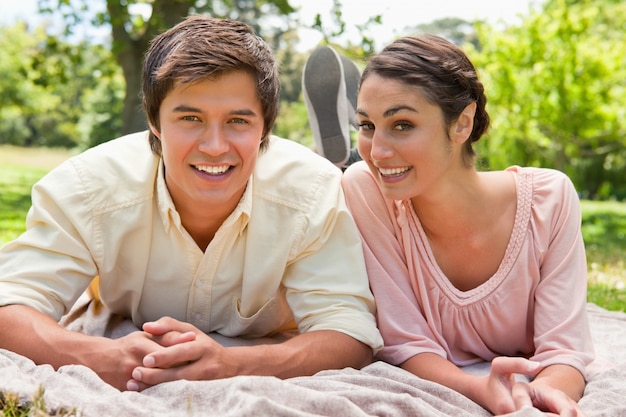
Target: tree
[(456, 30), (49, 89), (132, 30), (556, 88)]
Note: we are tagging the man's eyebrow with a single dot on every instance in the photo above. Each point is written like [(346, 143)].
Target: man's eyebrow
[(186, 109), (243, 112), (183, 108)]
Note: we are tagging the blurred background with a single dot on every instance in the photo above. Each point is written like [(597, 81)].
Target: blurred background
[(555, 70)]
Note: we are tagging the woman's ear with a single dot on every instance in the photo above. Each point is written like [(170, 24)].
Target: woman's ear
[(462, 128)]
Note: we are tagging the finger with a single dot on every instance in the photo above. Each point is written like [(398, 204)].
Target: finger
[(175, 355), (556, 401), (174, 338), (147, 377), (134, 385), (521, 395), (503, 365), (166, 324)]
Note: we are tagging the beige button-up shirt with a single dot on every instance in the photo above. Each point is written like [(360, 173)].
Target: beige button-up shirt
[(290, 253)]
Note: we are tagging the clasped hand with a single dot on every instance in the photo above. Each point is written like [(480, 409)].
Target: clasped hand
[(184, 352)]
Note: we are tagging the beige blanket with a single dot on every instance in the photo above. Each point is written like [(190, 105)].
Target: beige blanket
[(376, 390)]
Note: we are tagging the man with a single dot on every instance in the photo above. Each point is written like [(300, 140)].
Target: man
[(206, 223)]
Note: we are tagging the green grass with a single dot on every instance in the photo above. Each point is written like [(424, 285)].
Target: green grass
[(603, 226), (604, 232), (20, 168), (12, 406), (15, 183)]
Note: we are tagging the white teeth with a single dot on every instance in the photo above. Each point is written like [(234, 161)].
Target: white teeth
[(213, 170), (393, 171)]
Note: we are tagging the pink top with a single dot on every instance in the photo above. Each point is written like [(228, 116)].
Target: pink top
[(533, 306)]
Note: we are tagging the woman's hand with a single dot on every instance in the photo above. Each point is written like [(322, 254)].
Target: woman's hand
[(547, 399), (507, 392), (501, 392)]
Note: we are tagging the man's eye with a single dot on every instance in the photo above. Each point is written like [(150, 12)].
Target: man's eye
[(190, 118), (238, 120)]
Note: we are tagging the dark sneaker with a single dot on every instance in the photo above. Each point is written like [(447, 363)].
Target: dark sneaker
[(352, 77), (325, 95)]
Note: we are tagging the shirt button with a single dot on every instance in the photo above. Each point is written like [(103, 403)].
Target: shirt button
[(199, 284), (196, 316)]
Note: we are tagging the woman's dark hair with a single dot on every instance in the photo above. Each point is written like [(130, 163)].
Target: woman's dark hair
[(444, 73)]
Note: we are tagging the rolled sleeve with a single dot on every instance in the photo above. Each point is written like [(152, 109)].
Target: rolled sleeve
[(327, 284), (49, 265)]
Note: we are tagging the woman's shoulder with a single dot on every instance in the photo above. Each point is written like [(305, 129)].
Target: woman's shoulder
[(542, 177), (546, 190), (359, 183), (358, 175), (544, 183)]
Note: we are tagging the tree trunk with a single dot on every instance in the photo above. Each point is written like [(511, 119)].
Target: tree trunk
[(129, 50)]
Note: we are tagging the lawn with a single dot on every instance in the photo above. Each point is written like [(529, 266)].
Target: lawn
[(603, 225), (604, 232)]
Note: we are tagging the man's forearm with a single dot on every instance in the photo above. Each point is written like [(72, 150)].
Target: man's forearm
[(304, 354), (30, 333), (36, 336)]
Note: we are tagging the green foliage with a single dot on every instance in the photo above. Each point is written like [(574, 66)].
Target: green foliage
[(609, 297), (293, 123), (456, 30), (556, 88), (333, 25), (134, 23), (291, 66), (55, 93)]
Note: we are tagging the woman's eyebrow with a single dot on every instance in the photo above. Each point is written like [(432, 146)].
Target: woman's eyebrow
[(396, 109)]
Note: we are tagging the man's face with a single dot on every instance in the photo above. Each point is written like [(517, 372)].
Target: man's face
[(210, 135)]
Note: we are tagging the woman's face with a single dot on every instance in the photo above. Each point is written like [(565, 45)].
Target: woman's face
[(403, 138)]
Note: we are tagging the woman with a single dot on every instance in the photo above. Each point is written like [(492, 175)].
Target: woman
[(465, 266)]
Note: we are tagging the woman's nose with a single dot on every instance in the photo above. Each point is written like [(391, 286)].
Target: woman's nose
[(380, 147)]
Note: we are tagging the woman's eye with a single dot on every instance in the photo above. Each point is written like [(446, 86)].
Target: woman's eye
[(402, 126), (366, 126)]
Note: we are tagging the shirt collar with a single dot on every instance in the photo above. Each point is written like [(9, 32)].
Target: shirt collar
[(168, 212)]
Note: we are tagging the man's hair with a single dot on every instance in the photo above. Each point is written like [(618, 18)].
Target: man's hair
[(203, 47)]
